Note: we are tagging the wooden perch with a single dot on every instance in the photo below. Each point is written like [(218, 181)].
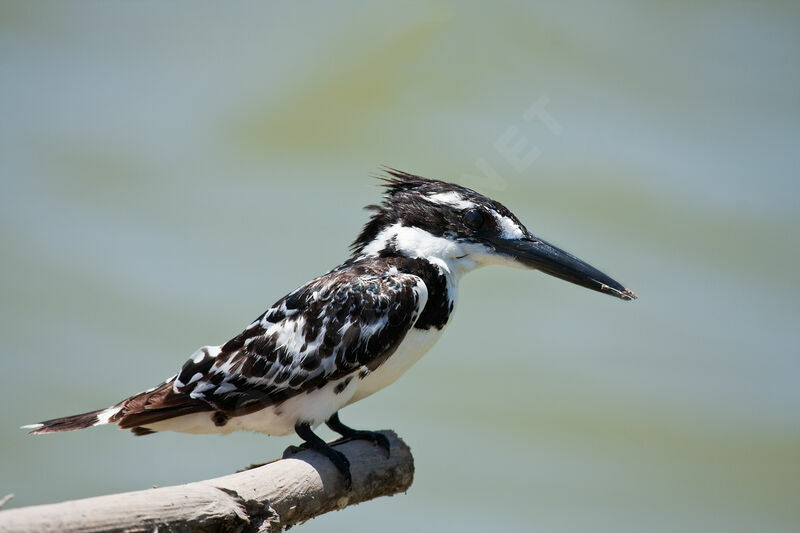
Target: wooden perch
[(266, 498)]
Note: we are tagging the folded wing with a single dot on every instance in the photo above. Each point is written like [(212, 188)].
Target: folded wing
[(345, 322)]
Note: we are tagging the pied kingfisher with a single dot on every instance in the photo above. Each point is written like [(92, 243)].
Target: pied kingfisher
[(351, 332)]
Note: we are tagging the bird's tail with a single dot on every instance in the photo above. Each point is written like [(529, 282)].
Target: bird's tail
[(70, 423), (134, 413)]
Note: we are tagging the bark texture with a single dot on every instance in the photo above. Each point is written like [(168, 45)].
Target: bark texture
[(266, 498)]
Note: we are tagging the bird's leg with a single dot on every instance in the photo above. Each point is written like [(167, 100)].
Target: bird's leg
[(349, 433), (313, 442)]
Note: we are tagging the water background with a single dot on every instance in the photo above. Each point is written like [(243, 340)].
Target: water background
[(168, 170)]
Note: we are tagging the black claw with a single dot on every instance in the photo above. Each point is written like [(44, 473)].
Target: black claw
[(348, 434), (375, 437), (341, 463), (383, 441), (294, 450)]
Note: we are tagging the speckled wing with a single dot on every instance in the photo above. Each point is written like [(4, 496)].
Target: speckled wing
[(344, 322)]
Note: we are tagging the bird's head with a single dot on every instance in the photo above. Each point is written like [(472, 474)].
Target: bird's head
[(460, 229)]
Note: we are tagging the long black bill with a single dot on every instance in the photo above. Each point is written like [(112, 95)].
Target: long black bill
[(536, 253)]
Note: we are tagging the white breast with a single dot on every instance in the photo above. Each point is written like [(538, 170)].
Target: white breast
[(415, 344)]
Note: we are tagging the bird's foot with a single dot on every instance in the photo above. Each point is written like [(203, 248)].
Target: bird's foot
[(349, 434), (375, 437), (313, 442), (294, 450), (339, 461)]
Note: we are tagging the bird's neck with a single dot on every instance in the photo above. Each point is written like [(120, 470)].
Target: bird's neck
[(439, 262)]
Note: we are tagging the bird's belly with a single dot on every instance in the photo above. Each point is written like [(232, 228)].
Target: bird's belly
[(313, 407), (415, 344)]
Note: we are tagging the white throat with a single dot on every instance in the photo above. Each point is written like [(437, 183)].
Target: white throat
[(454, 258)]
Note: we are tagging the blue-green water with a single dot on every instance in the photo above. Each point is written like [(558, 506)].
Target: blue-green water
[(169, 170)]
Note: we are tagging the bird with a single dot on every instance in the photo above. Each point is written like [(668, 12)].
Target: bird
[(350, 332)]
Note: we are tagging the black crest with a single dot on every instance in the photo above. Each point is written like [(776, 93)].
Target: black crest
[(405, 201)]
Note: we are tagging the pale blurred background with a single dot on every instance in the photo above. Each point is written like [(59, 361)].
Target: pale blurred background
[(170, 169)]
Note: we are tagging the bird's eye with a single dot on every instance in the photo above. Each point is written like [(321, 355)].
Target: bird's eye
[(473, 219)]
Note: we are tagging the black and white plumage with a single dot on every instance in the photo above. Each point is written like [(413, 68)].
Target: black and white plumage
[(352, 331)]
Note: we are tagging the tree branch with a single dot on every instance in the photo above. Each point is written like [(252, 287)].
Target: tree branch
[(266, 498)]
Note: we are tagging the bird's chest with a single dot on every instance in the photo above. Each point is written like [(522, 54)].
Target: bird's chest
[(415, 344), (442, 296)]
